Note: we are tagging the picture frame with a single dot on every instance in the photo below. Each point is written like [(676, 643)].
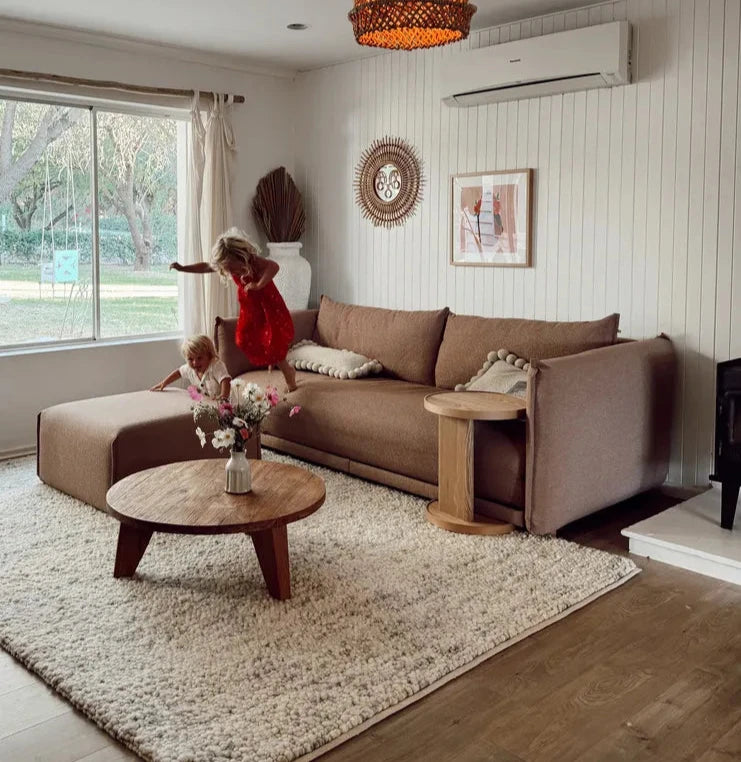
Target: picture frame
[(492, 218)]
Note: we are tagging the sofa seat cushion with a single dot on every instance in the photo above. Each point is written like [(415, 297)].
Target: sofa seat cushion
[(468, 340), (404, 342), (86, 446), (382, 422)]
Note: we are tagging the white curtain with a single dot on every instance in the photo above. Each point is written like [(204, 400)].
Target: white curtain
[(216, 205), (209, 213), (193, 289)]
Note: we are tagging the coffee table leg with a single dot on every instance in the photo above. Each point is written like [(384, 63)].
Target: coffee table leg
[(132, 542), (271, 546)]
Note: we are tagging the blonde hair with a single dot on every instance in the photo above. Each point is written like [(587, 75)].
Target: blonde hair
[(233, 248), (198, 345)]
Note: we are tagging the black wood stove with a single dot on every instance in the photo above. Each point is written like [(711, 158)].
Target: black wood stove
[(728, 438)]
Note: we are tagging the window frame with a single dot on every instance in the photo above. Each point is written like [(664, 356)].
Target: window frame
[(93, 106)]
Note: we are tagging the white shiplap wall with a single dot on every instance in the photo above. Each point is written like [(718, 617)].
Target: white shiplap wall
[(638, 192)]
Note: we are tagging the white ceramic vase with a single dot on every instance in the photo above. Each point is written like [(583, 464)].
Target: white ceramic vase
[(238, 473), (294, 277)]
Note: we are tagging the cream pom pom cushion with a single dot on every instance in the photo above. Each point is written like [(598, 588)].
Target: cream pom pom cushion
[(502, 372), (339, 363)]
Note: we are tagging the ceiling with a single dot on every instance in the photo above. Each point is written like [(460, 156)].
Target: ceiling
[(251, 29)]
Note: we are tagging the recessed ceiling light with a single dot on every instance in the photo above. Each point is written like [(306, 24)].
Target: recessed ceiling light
[(297, 27)]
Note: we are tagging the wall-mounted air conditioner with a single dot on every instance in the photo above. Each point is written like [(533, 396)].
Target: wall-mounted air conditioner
[(579, 59)]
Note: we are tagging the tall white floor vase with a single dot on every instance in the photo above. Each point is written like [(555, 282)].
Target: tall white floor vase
[(294, 277)]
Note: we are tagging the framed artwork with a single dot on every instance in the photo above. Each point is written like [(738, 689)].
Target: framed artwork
[(492, 218)]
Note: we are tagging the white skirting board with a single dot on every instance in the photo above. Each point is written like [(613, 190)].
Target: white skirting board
[(689, 535), (17, 452)]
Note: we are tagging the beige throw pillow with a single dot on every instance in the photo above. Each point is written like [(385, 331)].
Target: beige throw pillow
[(339, 363), (502, 372)]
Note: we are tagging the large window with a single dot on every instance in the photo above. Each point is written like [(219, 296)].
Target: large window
[(62, 278)]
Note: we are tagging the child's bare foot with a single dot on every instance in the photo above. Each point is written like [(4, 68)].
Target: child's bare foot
[(290, 376)]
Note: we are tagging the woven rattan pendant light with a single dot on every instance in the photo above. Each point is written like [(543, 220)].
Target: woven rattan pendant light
[(410, 24)]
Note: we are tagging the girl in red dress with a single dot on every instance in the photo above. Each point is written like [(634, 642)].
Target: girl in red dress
[(264, 327)]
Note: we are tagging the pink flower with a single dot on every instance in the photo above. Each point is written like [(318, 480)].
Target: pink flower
[(225, 408), (245, 433), (295, 410), (195, 394), (272, 395)]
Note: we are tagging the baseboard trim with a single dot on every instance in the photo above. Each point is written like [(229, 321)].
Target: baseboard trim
[(18, 452)]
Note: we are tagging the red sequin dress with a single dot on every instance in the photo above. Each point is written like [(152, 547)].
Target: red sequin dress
[(264, 328)]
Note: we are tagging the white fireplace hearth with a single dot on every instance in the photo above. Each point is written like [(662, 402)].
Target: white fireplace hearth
[(689, 535)]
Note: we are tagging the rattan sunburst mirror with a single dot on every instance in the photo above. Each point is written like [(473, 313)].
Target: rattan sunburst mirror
[(388, 182)]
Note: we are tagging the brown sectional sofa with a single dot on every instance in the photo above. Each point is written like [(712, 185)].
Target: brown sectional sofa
[(597, 428)]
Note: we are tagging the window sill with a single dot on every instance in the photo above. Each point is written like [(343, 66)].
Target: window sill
[(64, 346)]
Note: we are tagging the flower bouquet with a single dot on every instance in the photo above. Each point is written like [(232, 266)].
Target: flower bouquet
[(232, 423)]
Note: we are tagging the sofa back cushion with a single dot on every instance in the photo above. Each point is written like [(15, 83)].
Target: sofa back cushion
[(404, 342), (468, 340), (235, 359)]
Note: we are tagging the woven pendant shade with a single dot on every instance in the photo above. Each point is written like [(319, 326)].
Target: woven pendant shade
[(410, 24)]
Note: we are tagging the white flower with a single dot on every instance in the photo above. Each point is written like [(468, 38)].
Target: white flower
[(235, 392), (238, 423), (223, 438), (201, 435)]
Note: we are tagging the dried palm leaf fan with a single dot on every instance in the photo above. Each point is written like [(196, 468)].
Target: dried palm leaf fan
[(278, 208), (410, 24)]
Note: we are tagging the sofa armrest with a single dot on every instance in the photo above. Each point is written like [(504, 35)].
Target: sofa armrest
[(234, 358), (598, 431)]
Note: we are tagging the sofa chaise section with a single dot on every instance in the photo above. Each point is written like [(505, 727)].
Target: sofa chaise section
[(84, 447)]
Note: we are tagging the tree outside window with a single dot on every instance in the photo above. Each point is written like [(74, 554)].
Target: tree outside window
[(46, 222)]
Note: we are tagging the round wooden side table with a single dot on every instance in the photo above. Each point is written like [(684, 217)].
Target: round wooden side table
[(457, 411)]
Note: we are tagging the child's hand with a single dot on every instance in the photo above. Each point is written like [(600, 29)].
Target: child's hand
[(174, 266), (157, 388)]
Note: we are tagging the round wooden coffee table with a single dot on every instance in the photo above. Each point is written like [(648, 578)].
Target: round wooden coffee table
[(457, 411), (189, 498)]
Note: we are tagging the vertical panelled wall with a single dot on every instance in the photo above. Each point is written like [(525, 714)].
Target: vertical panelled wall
[(638, 192)]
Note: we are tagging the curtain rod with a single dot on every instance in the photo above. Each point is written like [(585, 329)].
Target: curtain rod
[(105, 84)]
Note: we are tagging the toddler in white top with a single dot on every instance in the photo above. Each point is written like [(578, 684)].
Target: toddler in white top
[(202, 369)]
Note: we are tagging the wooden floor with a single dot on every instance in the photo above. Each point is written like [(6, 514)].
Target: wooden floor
[(651, 671)]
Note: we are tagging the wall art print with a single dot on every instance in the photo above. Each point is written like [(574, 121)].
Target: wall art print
[(492, 218)]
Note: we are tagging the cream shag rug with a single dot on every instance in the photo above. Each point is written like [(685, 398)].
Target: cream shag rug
[(192, 661)]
